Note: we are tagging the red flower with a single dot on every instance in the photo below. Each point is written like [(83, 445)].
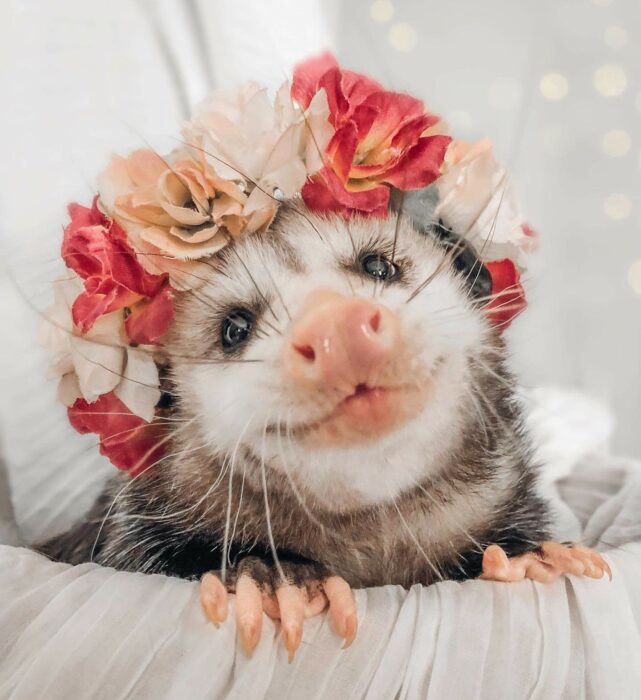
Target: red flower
[(96, 248), (508, 297), (379, 140), (128, 441)]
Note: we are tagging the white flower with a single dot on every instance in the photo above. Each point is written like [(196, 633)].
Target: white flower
[(250, 139), (478, 202), (99, 361)]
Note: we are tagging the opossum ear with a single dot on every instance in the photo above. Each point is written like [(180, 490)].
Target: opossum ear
[(464, 260), (417, 205)]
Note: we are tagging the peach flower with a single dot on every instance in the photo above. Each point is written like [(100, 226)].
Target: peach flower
[(176, 209), (478, 202)]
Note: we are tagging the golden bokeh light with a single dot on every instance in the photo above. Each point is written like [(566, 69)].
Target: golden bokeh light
[(616, 37), (381, 10), (610, 80), (402, 37), (634, 276), (553, 86), (617, 206), (616, 143)]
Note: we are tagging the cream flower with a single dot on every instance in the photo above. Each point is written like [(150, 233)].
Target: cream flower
[(250, 139), (478, 202), (99, 361)]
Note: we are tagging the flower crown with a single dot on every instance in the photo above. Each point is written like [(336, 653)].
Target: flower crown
[(335, 138)]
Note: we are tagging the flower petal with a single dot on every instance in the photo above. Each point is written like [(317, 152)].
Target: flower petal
[(421, 164), (173, 247), (412, 130), (339, 106), (325, 192), (307, 74), (508, 297), (130, 443), (358, 87), (394, 110), (139, 389), (341, 149), (150, 320), (98, 364), (69, 389)]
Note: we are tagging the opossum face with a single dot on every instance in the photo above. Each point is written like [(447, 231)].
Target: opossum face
[(336, 352)]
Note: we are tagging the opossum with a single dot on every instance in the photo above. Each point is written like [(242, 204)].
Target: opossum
[(342, 417)]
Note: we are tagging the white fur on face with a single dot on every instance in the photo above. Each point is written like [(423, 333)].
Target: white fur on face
[(247, 402)]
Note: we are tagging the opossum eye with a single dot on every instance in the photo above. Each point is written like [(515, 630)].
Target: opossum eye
[(236, 328), (377, 266)]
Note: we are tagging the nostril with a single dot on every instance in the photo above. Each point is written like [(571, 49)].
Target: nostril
[(375, 321), (307, 351)]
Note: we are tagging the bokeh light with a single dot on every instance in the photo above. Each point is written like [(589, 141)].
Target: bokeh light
[(381, 10), (402, 37), (616, 143), (617, 206), (634, 276), (554, 86), (610, 80), (616, 37)]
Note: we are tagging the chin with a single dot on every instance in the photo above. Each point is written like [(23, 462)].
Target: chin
[(364, 417)]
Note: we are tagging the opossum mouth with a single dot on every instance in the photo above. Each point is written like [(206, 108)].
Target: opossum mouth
[(368, 413)]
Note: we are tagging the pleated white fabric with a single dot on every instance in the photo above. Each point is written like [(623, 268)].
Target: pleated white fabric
[(91, 632)]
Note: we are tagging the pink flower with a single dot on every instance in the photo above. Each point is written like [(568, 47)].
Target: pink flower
[(379, 141), (96, 248), (128, 441), (508, 297)]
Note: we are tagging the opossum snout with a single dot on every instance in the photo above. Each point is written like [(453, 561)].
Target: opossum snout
[(339, 342)]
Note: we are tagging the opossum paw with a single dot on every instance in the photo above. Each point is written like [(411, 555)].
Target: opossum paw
[(303, 590), (551, 561)]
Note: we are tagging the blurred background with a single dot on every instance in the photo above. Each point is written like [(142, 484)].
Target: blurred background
[(556, 84)]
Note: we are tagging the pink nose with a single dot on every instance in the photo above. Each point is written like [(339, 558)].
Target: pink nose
[(339, 342)]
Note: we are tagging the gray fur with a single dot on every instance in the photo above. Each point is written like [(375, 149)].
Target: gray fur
[(479, 489)]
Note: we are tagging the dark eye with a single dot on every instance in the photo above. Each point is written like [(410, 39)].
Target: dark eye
[(236, 328), (377, 266)]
